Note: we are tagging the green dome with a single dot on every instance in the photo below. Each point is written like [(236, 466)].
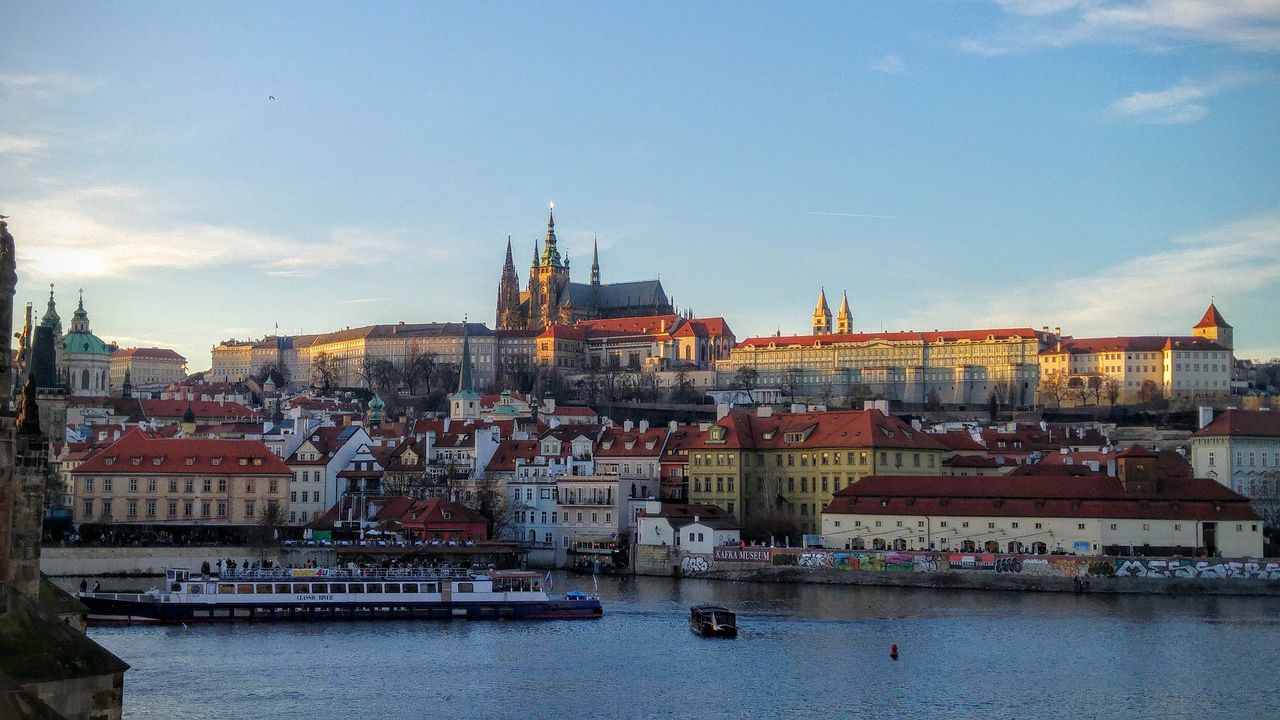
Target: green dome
[(375, 403), (83, 343)]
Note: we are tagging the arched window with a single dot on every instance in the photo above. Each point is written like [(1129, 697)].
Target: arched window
[(1039, 548), (899, 544), (859, 544), (1015, 547), (992, 546), (968, 546), (877, 544), (84, 379)]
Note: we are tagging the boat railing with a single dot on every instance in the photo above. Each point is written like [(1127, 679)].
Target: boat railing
[(341, 573)]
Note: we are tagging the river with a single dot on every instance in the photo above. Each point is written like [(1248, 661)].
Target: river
[(806, 651)]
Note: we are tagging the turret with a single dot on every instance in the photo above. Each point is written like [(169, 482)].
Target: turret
[(550, 254), (1213, 327)]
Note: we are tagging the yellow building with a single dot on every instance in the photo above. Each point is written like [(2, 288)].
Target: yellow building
[(789, 465), (145, 480), (954, 367), (147, 366), (1132, 369)]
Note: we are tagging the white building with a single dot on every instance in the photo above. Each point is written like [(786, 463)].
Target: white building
[(315, 466), (1241, 450), (687, 528)]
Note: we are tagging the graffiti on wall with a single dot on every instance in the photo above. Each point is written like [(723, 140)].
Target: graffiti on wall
[(693, 565), (1188, 568), (1044, 565)]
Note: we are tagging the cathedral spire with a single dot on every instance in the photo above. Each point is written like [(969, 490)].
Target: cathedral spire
[(535, 252), (844, 319), (465, 381), (550, 255), (595, 261)]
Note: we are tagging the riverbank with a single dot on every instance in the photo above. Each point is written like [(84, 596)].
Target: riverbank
[(1000, 582)]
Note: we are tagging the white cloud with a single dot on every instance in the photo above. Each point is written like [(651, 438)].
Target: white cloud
[(361, 301), (47, 85), (1176, 104), (23, 145), (113, 230), (891, 64), (1163, 292), (1252, 25)]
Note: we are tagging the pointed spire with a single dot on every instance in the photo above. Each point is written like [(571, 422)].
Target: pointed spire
[(550, 255), (126, 391), (822, 315), (465, 381), (535, 252), (844, 319), (595, 261), (509, 263)]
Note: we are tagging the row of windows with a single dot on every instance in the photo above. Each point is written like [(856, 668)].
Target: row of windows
[(187, 484), (207, 509)]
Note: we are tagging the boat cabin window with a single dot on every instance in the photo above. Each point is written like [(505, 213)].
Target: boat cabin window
[(301, 587), (337, 587), (264, 588), (319, 588), (411, 587), (430, 587), (282, 588), (245, 588), (355, 588), (392, 587), (195, 589), (374, 587), (226, 588), (466, 587)]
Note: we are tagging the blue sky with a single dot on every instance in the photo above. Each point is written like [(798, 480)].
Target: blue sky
[(1105, 167)]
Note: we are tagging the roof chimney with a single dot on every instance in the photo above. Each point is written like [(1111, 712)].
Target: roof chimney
[(643, 426), (626, 426), (1206, 416)]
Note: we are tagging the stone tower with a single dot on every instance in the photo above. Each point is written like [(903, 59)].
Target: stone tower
[(508, 316), (1213, 327), (548, 279), (844, 318), (822, 315), (8, 489)]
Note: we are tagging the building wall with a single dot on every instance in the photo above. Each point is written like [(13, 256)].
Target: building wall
[(177, 499), (147, 370), (1080, 536), (94, 697), (1177, 373), (960, 372)]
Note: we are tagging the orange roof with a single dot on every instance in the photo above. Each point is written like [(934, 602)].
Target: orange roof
[(1212, 318), (843, 428), (1135, 343), (139, 453), (151, 353), (1247, 423), (852, 338)]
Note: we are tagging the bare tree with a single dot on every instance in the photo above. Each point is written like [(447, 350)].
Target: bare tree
[(1054, 385), (1095, 388), (768, 515), (745, 379), (490, 500), (325, 371), (1111, 390), (1149, 391), (682, 390), (416, 369), (792, 378), (379, 375)]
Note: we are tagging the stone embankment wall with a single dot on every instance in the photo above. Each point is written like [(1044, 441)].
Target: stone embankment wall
[(145, 561), (1051, 573)]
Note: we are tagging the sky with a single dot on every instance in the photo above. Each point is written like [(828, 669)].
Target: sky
[(217, 170)]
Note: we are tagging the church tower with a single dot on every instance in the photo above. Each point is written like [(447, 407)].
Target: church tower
[(822, 315), (549, 279), (844, 319), (508, 316), (595, 262), (1213, 327), (464, 404)]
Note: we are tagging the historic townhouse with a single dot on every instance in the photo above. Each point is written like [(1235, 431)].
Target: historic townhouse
[(315, 466), (144, 480), (1241, 450), (795, 462), (1143, 509)]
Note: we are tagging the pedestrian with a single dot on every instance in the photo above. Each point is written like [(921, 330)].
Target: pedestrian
[(84, 585), (97, 586)]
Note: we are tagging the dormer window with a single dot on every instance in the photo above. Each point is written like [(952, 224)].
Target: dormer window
[(191, 461), (244, 461), (110, 460), (215, 461), (157, 460), (137, 460), (257, 461), (793, 437)]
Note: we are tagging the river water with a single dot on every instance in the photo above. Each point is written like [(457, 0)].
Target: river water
[(806, 651)]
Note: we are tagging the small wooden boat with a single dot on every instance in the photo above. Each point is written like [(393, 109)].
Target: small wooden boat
[(713, 621)]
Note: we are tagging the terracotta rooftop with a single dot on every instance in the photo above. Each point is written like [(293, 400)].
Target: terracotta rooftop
[(1242, 423), (139, 453)]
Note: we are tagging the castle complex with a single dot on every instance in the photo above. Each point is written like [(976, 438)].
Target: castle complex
[(552, 299)]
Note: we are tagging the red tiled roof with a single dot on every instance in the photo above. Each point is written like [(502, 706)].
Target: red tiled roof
[(1136, 343), (572, 411), (1242, 423), (842, 428), (958, 441), (647, 324), (1039, 495), (203, 409), (564, 331), (851, 338), (139, 453), (151, 353), (679, 515), (1212, 318), (504, 458), (703, 327), (616, 442), (970, 461)]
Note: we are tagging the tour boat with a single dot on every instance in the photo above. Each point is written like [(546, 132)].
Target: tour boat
[(713, 621), (340, 593)]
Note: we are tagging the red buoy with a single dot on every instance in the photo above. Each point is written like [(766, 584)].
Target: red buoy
[(893, 652)]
